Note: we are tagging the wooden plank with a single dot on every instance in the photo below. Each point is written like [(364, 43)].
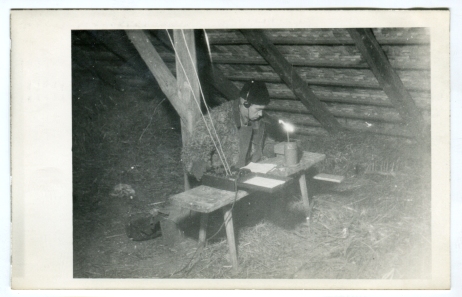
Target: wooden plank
[(313, 131), (399, 60), (340, 77), (383, 114), (119, 44), (158, 68), (331, 94), (293, 118), (323, 36), (387, 77), (341, 100), (187, 84), (86, 63), (400, 57), (206, 199), (349, 77), (307, 160), (329, 177), (318, 131), (102, 55), (224, 85), (285, 70), (345, 95), (302, 121)]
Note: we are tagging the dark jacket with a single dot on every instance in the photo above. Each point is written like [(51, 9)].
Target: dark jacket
[(240, 144)]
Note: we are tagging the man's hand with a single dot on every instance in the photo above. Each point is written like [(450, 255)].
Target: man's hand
[(198, 168)]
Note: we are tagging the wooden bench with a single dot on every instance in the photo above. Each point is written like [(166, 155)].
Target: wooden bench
[(204, 199)]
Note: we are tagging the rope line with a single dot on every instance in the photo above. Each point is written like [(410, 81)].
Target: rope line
[(205, 103), (198, 105)]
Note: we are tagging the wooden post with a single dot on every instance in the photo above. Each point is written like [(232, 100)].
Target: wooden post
[(288, 74), (388, 79), (182, 91), (187, 83)]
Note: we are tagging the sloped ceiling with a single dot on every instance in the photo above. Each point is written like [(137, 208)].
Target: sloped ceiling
[(327, 60)]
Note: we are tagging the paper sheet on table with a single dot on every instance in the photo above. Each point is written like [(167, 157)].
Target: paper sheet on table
[(259, 168), (264, 182)]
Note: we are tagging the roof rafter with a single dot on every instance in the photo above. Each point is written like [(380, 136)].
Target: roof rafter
[(388, 79), (286, 71)]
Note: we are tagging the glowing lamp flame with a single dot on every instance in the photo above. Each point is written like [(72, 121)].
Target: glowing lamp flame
[(287, 127)]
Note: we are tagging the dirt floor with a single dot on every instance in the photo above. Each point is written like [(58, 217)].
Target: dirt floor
[(373, 225)]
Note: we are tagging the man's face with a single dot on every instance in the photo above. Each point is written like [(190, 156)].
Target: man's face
[(255, 112)]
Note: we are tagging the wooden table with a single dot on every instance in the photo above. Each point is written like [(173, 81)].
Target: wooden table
[(307, 161), (205, 199)]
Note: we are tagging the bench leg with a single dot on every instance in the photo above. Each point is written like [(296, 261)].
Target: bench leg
[(203, 228), (228, 217), (305, 198)]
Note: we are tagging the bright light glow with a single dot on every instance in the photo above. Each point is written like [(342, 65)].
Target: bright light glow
[(287, 127)]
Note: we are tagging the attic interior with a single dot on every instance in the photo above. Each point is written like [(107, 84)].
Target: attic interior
[(360, 96)]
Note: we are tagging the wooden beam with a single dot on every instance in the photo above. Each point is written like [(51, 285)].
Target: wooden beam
[(286, 71), (187, 83), (156, 65), (231, 92), (187, 77), (388, 79)]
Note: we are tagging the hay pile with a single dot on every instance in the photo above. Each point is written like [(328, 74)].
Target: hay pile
[(352, 153), (362, 229), (126, 152), (120, 139), (371, 226)]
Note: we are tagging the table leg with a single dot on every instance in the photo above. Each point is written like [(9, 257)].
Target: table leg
[(228, 217), (203, 228), (304, 191)]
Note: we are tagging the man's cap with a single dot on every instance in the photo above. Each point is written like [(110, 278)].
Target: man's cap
[(255, 92)]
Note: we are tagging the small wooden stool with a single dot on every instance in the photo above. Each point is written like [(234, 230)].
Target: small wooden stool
[(204, 199)]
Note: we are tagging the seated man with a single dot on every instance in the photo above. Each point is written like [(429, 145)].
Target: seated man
[(240, 132)]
